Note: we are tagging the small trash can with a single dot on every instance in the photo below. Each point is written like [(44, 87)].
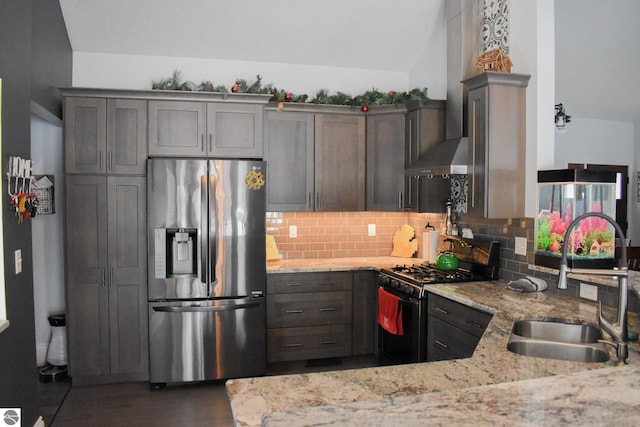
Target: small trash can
[(57, 353)]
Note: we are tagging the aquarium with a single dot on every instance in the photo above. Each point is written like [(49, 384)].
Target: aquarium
[(563, 195)]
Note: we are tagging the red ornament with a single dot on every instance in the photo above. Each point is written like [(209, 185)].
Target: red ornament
[(391, 93), (364, 108), (234, 88), (287, 96)]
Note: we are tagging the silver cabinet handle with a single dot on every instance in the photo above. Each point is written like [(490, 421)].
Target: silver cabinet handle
[(441, 344), (328, 342), (293, 311), (472, 323), (443, 311), (328, 309), (294, 345)]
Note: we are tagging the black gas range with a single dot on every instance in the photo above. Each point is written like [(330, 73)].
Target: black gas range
[(478, 260)]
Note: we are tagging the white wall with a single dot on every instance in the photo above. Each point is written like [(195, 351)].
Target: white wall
[(603, 142), (137, 72), (47, 234), (634, 188), (532, 51)]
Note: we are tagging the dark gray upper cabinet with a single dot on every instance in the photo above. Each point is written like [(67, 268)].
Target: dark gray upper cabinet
[(339, 162), (289, 152), (194, 128), (106, 278), (424, 128), (105, 135), (235, 130), (385, 159), (126, 136), (177, 128), (497, 144), (85, 135)]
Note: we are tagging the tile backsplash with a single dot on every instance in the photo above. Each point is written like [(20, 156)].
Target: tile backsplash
[(342, 234)]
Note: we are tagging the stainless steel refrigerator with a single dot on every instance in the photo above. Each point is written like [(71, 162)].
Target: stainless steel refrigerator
[(207, 269)]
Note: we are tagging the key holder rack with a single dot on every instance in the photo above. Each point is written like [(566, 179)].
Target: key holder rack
[(22, 199)]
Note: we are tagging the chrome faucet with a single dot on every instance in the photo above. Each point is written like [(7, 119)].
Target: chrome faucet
[(618, 329)]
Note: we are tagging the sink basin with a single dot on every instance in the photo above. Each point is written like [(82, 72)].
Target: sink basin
[(558, 339)]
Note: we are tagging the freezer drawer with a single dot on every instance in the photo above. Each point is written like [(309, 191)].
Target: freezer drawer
[(202, 340)]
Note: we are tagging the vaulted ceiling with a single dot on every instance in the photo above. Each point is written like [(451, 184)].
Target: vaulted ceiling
[(597, 49)]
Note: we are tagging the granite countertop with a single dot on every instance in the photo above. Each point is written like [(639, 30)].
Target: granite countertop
[(358, 396), (337, 264)]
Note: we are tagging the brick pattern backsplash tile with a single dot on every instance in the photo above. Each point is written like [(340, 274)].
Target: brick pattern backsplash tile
[(342, 234)]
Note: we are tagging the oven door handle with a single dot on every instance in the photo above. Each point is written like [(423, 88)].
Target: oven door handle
[(401, 299)]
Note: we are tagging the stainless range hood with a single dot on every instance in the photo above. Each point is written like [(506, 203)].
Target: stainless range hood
[(464, 28), (446, 158)]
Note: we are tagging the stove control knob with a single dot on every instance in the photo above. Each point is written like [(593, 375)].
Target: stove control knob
[(383, 280)]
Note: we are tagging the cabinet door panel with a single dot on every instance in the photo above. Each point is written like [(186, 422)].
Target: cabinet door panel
[(177, 128), (340, 162), (127, 274), (235, 130), (365, 310), (309, 309), (385, 162), (289, 142), (315, 342), (126, 136), (85, 133), (87, 293)]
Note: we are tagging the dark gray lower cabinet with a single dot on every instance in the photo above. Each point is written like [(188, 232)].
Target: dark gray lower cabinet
[(320, 315), (453, 329), (106, 278), (365, 310)]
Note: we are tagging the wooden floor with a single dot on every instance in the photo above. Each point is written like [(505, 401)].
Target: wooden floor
[(135, 404)]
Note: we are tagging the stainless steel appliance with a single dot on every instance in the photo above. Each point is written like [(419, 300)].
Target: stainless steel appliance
[(207, 269), (477, 260)]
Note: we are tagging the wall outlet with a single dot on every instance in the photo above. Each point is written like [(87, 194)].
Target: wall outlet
[(293, 231), (589, 292), (371, 230), (521, 246)]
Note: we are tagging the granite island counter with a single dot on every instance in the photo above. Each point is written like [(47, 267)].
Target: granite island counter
[(446, 392)]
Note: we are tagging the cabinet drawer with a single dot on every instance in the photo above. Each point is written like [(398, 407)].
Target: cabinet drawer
[(464, 317), (307, 309), (448, 342), (309, 282), (314, 342)]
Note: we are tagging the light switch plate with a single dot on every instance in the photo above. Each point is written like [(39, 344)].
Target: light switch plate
[(371, 230), (521, 246), (589, 292), (293, 231), (17, 256)]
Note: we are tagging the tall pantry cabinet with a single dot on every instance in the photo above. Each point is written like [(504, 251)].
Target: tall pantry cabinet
[(105, 161)]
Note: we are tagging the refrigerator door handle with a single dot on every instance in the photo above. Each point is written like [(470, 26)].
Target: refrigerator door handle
[(204, 226), (213, 228), (208, 309)]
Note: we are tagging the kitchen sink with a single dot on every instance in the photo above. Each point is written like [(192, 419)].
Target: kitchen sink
[(558, 339)]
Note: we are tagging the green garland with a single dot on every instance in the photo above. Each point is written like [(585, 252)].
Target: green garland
[(371, 97)]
